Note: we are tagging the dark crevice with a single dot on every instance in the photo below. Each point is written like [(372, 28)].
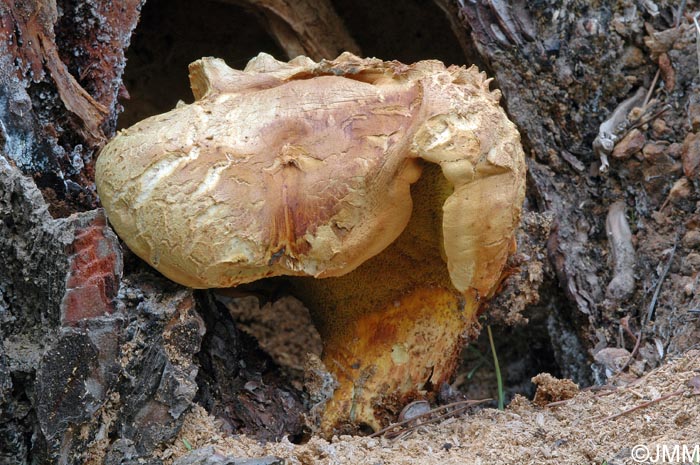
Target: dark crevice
[(174, 33), (407, 31), (240, 385), (523, 352)]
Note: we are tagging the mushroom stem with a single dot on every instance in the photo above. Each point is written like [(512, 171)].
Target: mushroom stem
[(393, 356), (399, 341)]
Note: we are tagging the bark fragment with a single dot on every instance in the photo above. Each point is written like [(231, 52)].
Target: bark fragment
[(621, 286)]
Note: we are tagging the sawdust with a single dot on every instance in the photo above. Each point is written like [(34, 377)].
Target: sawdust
[(98, 447), (580, 430), (551, 389), (283, 329)]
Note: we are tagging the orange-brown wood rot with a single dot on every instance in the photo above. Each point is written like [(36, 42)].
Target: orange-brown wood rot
[(400, 185)]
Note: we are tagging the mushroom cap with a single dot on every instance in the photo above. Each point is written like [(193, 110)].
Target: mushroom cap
[(305, 168)]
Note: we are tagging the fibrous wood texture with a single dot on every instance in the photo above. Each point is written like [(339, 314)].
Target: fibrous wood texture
[(307, 27), (51, 62)]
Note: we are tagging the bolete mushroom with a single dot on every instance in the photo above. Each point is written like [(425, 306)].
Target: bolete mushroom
[(313, 170)]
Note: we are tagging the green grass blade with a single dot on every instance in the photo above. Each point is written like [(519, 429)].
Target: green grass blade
[(497, 367)]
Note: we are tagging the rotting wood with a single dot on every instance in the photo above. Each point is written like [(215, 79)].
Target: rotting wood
[(60, 75), (35, 21), (306, 27)]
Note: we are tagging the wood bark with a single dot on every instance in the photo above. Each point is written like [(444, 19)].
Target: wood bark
[(89, 352), (564, 70)]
